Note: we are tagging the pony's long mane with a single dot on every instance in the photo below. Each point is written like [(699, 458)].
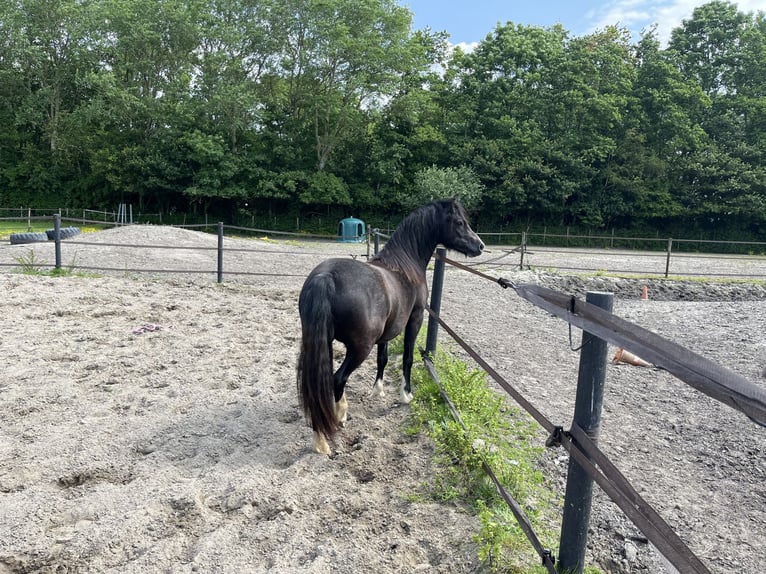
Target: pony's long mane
[(410, 247)]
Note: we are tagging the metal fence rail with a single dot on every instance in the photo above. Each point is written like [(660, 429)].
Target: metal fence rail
[(533, 251), (219, 249)]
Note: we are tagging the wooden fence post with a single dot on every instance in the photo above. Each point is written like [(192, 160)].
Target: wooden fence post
[(587, 415), (436, 301)]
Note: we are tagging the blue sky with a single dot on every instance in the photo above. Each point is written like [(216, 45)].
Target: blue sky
[(470, 21)]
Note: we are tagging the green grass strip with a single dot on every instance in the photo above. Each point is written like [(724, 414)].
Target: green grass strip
[(504, 436)]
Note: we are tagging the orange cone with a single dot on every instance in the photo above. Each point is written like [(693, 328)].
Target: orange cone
[(645, 293), (623, 356)]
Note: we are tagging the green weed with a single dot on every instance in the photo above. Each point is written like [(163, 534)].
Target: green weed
[(504, 437), (30, 264)]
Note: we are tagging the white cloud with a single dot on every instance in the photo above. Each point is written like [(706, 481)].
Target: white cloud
[(467, 47), (637, 15), (671, 16)]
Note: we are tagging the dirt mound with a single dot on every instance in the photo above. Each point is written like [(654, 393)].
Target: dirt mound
[(657, 289)]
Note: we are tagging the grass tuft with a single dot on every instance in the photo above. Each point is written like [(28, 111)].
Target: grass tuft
[(30, 264), (507, 439)]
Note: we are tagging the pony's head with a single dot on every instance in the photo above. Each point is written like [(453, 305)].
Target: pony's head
[(456, 233)]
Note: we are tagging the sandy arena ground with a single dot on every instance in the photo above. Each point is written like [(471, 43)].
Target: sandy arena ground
[(150, 423)]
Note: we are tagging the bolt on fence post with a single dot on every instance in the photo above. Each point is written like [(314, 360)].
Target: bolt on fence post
[(587, 415), (57, 238), (436, 301), (220, 252)]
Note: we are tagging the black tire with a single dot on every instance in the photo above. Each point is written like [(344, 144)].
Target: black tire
[(65, 232), (19, 238), (71, 232)]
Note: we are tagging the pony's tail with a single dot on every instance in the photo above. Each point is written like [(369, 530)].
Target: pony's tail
[(315, 372)]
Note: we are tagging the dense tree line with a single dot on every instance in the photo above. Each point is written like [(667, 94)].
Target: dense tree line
[(237, 106)]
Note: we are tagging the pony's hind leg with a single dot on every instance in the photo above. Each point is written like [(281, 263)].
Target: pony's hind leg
[(353, 359), (377, 388), (320, 443), (341, 410)]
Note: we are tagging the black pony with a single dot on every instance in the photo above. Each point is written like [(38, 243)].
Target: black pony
[(364, 304)]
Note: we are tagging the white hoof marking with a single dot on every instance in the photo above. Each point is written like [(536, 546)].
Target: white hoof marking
[(320, 444), (341, 410), (377, 389)]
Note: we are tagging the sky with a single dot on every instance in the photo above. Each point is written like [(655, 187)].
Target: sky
[(469, 22)]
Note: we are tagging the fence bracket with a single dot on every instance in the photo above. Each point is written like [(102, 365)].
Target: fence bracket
[(554, 439)]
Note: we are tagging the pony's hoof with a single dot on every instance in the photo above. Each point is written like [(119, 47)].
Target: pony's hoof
[(377, 390), (320, 445), (405, 397)]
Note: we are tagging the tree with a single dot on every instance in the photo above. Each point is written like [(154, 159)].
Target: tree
[(708, 45), (337, 58), (406, 134), (435, 183), (665, 108), (498, 122), (541, 119), (720, 48), (45, 55), (301, 104), (141, 107)]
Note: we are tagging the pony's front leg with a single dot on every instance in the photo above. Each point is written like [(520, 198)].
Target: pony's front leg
[(410, 335), (377, 388)]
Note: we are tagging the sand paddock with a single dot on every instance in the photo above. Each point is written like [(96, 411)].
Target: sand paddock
[(151, 424)]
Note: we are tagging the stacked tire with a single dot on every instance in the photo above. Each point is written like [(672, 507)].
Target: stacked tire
[(49, 235), (19, 238), (64, 232)]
